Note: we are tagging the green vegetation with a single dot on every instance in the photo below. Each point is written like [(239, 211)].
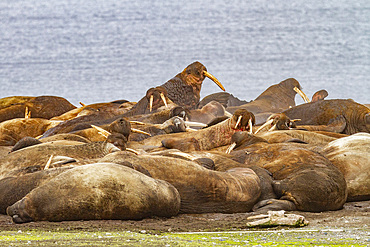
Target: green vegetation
[(126, 238)]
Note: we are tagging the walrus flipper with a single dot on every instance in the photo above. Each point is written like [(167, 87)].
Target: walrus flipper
[(274, 205)]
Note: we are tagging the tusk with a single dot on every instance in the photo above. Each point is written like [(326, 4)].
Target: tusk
[(302, 94), (27, 114), (190, 129), (214, 79), (137, 122), (238, 122), (82, 104), (295, 120), (231, 147), (151, 103), (101, 131), (250, 125), (195, 124), (48, 163), (264, 125), (140, 132), (184, 155), (164, 100), (132, 151), (273, 128)]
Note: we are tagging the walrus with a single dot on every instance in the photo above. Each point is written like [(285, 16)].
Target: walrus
[(303, 180), (204, 139), (276, 98), (15, 188), (116, 107), (100, 191), (184, 88), (354, 117), (201, 190), (39, 107), (154, 99), (38, 155), (351, 156), (13, 130)]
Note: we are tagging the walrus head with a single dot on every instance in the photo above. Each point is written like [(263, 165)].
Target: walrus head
[(157, 97), (242, 120), (195, 73), (278, 121)]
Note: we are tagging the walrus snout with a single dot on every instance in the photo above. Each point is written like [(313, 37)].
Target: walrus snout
[(18, 213)]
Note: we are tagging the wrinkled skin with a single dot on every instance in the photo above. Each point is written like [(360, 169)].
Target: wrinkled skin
[(353, 116), (201, 190), (303, 180), (40, 107), (276, 98), (100, 191)]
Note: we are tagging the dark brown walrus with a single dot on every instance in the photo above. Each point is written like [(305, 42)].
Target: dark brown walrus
[(201, 190), (100, 191), (303, 180), (355, 116), (184, 88), (39, 107)]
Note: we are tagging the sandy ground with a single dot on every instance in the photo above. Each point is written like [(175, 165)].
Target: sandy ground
[(351, 225)]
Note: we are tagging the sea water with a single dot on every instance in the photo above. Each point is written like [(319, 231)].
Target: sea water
[(98, 51)]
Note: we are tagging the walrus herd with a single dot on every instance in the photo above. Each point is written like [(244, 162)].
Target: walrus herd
[(173, 153)]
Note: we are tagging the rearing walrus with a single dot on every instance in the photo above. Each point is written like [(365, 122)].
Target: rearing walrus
[(184, 88)]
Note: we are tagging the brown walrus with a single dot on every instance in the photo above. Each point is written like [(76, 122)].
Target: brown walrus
[(39, 107), (351, 155), (204, 139), (303, 180), (354, 116), (100, 191), (201, 190), (13, 130), (276, 98), (37, 156), (15, 188)]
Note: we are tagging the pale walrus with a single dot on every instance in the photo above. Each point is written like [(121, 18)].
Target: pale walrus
[(352, 157), (100, 191)]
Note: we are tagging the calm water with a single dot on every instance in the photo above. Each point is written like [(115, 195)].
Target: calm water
[(98, 51)]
